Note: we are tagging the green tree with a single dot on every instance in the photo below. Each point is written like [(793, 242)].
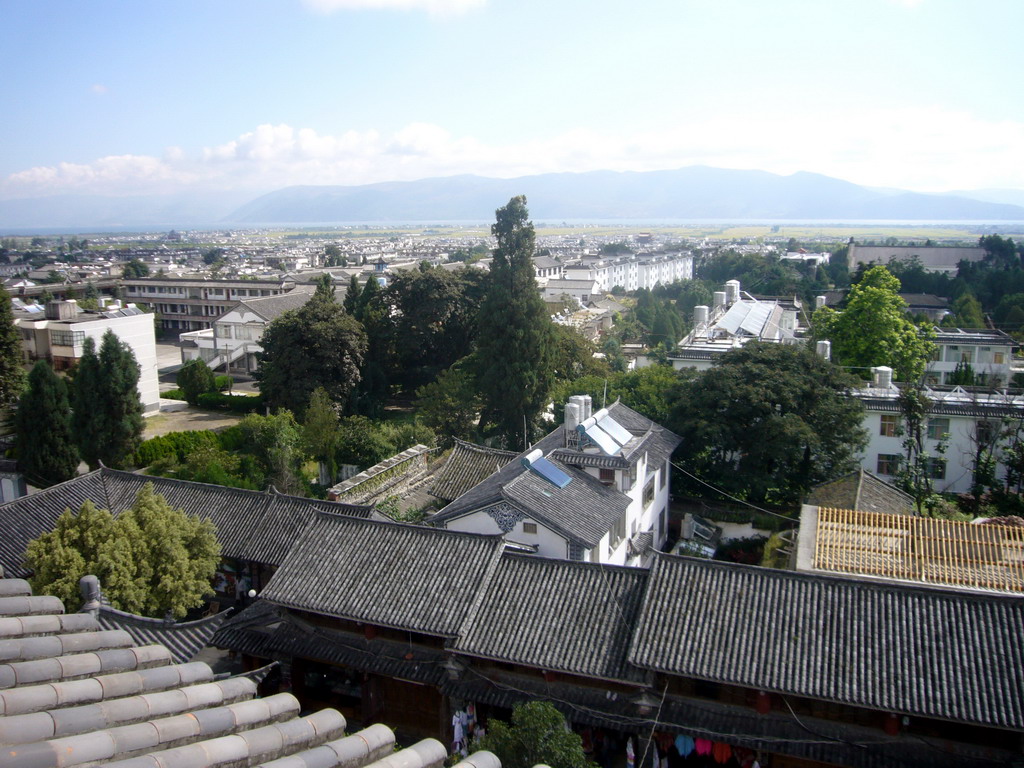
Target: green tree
[(916, 470), (537, 735), (134, 269), (324, 288), (967, 312), (12, 374), (333, 257), (875, 330), (276, 443), (120, 408), (317, 345), (320, 432), (194, 379), (514, 332), (151, 559), (450, 404), (351, 300), (768, 421), (86, 425), (42, 425)]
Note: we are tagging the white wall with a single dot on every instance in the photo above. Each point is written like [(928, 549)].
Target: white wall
[(548, 543), (137, 331)]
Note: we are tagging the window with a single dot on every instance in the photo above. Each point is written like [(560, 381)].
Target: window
[(935, 469), (987, 432), (998, 358), (890, 423), (649, 492), (607, 476), (888, 463), (937, 428), (530, 528), (67, 338), (617, 534)]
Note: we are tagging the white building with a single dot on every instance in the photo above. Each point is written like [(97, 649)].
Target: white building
[(234, 340), (735, 319), (989, 353), (595, 489), (58, 334), (633, 271), (958, 417)]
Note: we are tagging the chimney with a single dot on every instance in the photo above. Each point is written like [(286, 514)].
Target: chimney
[(732, 292), (700, 315), (881, 377), (824, 349), (819, 302), (719, 299)]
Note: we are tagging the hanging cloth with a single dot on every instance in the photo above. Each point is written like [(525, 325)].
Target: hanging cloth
[(630, 754), (703, 747), (684, 745), (722, 753)]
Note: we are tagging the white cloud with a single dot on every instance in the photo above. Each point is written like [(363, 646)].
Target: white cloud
[(920, 149), (433, 7), (99, 89)]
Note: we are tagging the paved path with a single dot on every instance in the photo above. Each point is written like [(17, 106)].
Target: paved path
[(181, 416)]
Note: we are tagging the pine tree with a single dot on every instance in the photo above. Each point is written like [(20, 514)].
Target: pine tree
[(12, 374), (121, 404), (46, 449), (351, 300), (85, 401), (107, 418), (515, 332)]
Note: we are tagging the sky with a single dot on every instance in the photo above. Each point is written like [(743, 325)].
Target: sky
[(130, 98)]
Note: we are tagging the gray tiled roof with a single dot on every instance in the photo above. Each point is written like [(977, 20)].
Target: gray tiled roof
[(401, 576), (251, 525), (272, 307), (183, 639), (131, 706), (557, 615), (908, 650), (862, 491), (585, 509), (466, 466)]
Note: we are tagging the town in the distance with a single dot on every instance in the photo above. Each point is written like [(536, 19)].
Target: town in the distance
[(522, 493)]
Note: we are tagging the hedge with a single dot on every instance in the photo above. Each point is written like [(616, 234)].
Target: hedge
[(234, 403)]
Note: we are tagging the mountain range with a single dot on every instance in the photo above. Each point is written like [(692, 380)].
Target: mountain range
[(693, 193)]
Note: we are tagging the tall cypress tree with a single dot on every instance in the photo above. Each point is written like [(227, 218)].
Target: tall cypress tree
[(514, 342), (107, 409), (121, 405), (46, 449), (85, 401), (12, 375)]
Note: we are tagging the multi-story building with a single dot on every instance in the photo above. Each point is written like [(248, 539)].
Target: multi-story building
[(633, 271), (988, 353), (735, 319), (194, 303), (960, 421), (596, 489), (58, 334)]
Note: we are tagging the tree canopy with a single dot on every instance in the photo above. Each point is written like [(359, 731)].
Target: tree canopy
[(194, 379), (768, 421), (874, 329), (42, 426), (317, 345), (537, 735), (151, 559), (513, 347)]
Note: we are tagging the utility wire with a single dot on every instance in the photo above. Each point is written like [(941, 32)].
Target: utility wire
[(733, 498)]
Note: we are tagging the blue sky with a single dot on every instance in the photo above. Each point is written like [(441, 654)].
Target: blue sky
[(251, 95)]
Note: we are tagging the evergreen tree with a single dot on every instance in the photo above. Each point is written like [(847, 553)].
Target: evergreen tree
[(151, 559), (107, 416), (537, 735), (42, 424), (515, 332), (351, 300), (12, 374), (85, 400), (121, 405), (324, 287), (194, 379)]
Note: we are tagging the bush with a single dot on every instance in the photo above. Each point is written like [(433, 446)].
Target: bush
[(223, 383), (175, 445), (234, 403), (173, 394), (195, 378)]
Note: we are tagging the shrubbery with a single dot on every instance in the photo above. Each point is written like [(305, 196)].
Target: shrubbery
[(234, 403)]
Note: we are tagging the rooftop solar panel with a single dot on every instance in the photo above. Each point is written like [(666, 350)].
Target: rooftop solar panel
[(619, 433), (550, 472), (602, 439)]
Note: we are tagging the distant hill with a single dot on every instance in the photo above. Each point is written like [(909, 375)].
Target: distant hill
[(697, 192), (693, 193)]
